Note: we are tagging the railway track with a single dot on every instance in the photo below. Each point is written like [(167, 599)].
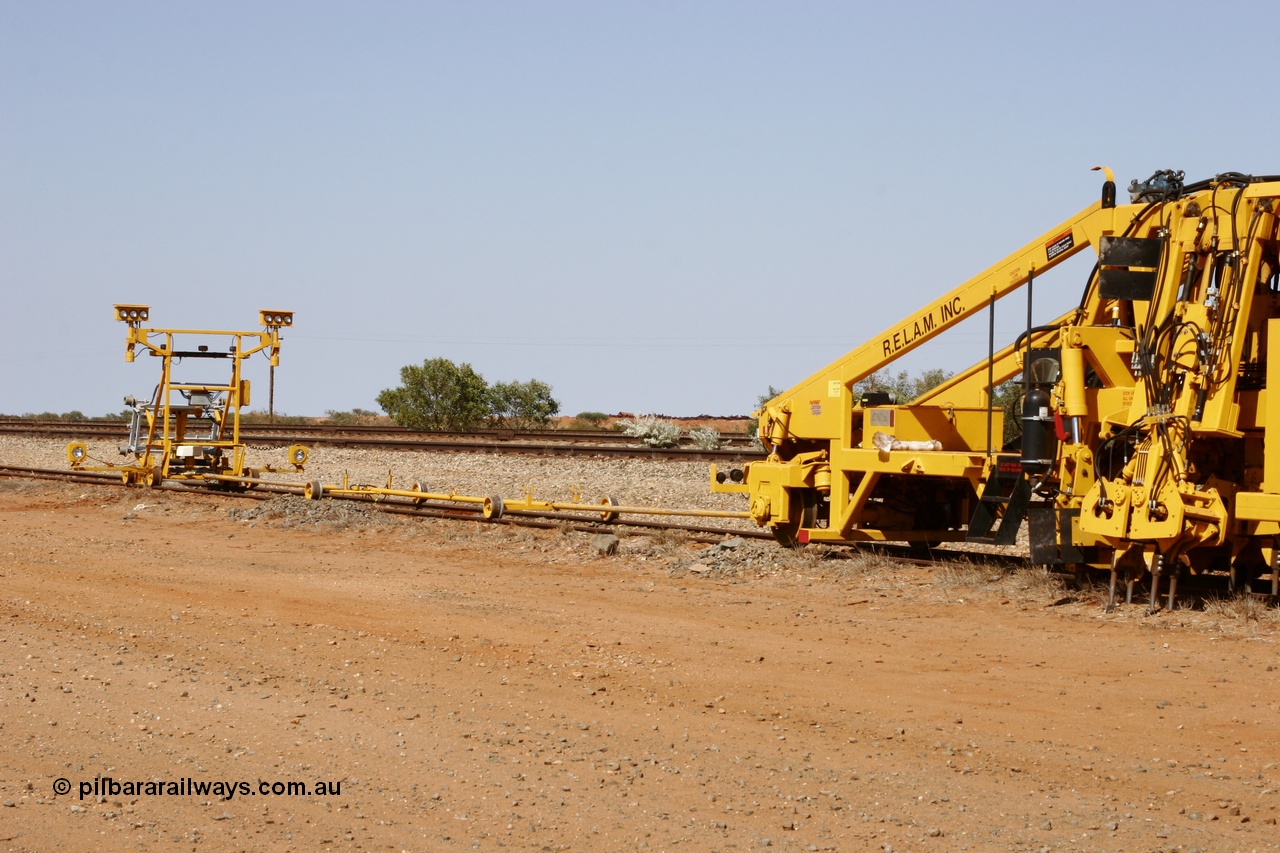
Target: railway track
[(1200, 587), (578, 522), (266, 490), (532, 442)]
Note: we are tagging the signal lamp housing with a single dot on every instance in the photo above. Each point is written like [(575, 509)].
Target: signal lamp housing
[(298, 454), (132, 314), (77, 452)]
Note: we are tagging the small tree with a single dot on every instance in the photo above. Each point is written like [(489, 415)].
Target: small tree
[(928, 380), (767, 396), (902, 385), (438, 395), (1008, 396), (884, 382), (522, 405)]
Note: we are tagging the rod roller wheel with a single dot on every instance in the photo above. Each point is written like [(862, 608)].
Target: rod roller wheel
[(609, 517)]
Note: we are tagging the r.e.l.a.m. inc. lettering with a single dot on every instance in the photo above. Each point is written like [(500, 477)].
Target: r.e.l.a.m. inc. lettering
[(930, 322)]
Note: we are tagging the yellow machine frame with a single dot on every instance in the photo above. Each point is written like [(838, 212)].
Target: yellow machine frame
[(1144, 416), (197, 437)]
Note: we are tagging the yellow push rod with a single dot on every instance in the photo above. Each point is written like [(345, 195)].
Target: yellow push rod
[(554, 506), (531, 505), (404, 493)]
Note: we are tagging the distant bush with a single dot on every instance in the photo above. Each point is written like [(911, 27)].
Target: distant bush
[(705, 438), (260, 417), (355, 417), (74, 415), (595, 419), (652, 431)]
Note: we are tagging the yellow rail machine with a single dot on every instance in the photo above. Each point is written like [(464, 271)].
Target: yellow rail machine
[(1144, 411), (191, 429)]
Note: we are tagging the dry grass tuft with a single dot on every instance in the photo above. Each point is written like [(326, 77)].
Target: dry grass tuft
[(670, 538), (663, 543), (965, 573), (1243, 607), (1038, 582), (1031, 584), (847, 562)]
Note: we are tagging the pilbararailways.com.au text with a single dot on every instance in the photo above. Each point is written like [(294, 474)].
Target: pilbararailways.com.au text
[(106, 786)]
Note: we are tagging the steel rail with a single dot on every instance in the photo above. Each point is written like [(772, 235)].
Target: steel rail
[(289, 432), (422, 445)]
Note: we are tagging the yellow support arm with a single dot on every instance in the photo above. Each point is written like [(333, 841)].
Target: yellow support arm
[(815, 399)]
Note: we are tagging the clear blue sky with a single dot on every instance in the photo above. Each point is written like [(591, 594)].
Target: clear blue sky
[(653, 206)]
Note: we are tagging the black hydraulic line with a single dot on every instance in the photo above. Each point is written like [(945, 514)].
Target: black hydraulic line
[(1160, 282), (1017, 344), (1089, 285), (1202, 397), (1026, 361), (1227, 178)]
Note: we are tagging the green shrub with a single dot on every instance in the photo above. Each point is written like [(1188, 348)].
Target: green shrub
[(441, 395), (652, 431), (705, 438), (438, 394), (355, 417), (522, 405)]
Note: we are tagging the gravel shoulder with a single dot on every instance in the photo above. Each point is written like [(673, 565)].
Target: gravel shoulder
[(635, 482)]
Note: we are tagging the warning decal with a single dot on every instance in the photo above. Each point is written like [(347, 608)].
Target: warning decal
[(1065, 242)]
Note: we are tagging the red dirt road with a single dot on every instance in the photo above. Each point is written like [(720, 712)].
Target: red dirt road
[(479, 687)]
